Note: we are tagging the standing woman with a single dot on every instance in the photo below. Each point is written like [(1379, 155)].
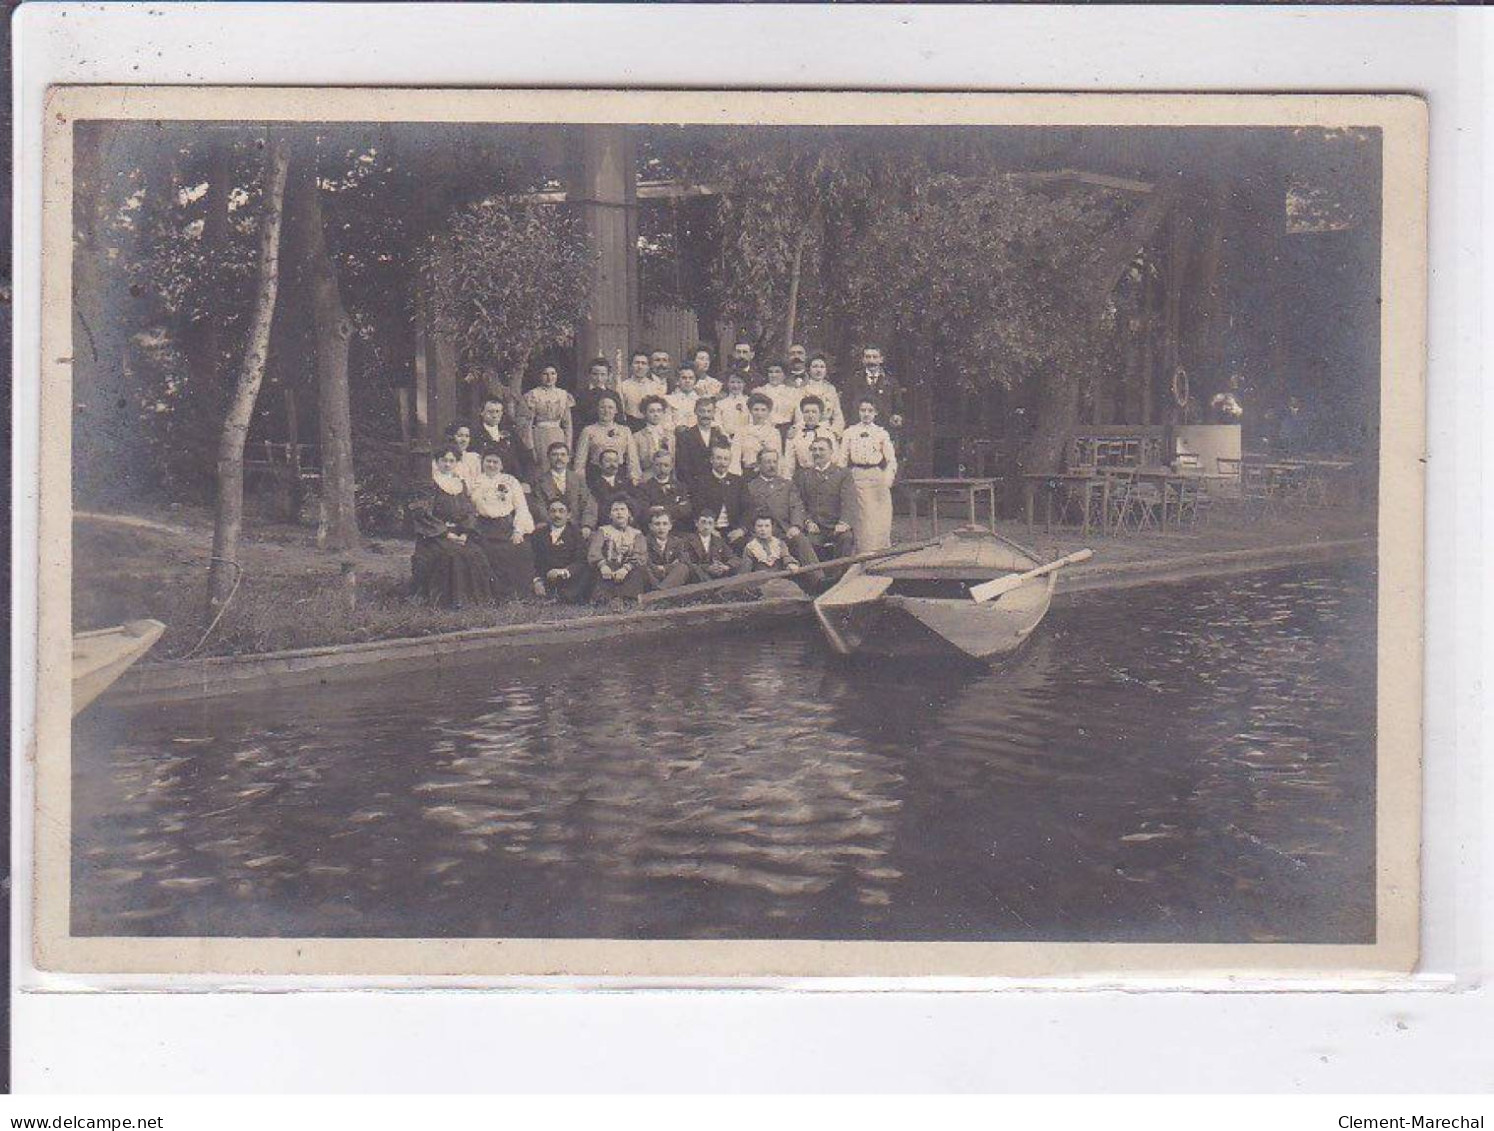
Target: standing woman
[(503, 522), (469, 464), (818, 385), (873, 463), (550, 409), (448, 567), (607, 435)]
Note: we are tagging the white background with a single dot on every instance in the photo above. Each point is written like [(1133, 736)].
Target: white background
[(1436, 1035)]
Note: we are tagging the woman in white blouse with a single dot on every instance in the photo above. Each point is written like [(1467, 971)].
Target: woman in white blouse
[(469, 466), (873, 462), (503, 523)]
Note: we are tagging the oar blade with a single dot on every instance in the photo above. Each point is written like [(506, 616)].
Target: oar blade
[(990, 590)]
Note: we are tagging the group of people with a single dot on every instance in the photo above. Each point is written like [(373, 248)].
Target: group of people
[(666, 477)]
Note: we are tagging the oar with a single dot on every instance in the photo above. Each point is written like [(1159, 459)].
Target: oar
[(747, 580), (989, 590)]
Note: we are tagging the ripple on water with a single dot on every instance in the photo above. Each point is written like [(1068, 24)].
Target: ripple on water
[(1190, 762)]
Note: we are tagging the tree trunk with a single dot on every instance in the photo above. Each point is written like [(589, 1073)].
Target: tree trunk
[(204, 343), (338, 527), (790, 325), (1057, 411), (519, 415), (100, 318), (224, 568)]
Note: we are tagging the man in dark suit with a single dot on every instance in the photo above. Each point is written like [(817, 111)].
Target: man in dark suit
[(741, 364), (560, 482), (598, 381), (692, 446), (768, 493), (560, 568), (719, 494), (493, 434), (664, 559), (662, 489), (828, 493), (607, 484), (886, 391), (707, 553)]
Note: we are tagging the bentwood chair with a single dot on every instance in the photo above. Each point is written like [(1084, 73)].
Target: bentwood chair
[(1195, 502), (1134, 504), (1260, 492), (1083, 499)]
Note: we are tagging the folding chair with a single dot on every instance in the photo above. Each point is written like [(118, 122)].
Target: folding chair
[(1132, 501)]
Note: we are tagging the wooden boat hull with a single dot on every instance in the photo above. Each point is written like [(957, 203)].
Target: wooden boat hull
[(102, 656), (880, 611)]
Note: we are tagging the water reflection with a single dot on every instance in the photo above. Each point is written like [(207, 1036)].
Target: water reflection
[(1185, 763)]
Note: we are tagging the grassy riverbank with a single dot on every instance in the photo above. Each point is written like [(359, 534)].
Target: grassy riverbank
[(291, 595)]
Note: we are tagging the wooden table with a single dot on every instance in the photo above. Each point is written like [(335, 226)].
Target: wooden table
[(1090, 480), (970, 488)]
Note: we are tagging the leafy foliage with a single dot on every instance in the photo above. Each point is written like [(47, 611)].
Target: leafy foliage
[(984, 278), (509, 278), (787, 201)]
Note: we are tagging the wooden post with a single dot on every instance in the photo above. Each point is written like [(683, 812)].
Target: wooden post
[(1209, 356), (604, 186), (348, 585), (440, 361), (1177, 266), (291, 501), (1148, 375), (1130, 380)]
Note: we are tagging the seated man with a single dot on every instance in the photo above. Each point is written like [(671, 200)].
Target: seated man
[(607, 484), (616, 557), (719, 494), (706, 552), (560, 567), (770, 494), (828, 493), (664, 556), (765, 550), (662, 489), (558, 481)]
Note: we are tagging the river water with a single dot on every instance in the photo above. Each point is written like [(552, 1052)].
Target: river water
[(1181, 763)]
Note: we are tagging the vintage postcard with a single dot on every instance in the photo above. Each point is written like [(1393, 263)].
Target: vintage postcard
[(734, 535)]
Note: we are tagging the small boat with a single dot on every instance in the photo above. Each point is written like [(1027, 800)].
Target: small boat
[(919, 605), (102, 656)]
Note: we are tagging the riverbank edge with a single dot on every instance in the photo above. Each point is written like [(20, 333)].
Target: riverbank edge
[(224, 675)]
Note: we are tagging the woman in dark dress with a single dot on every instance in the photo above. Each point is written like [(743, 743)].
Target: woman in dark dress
[(503, 523), (448, 567)]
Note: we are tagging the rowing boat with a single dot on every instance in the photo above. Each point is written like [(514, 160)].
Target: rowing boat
[(102, 656), (919, 604)]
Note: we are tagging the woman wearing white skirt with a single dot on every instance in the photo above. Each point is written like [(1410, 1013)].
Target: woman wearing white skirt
[(873, 463)]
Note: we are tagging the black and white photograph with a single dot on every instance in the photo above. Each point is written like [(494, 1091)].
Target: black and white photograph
[(707, 533)]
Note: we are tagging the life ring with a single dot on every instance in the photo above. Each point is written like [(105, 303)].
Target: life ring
[(1180, 387)]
